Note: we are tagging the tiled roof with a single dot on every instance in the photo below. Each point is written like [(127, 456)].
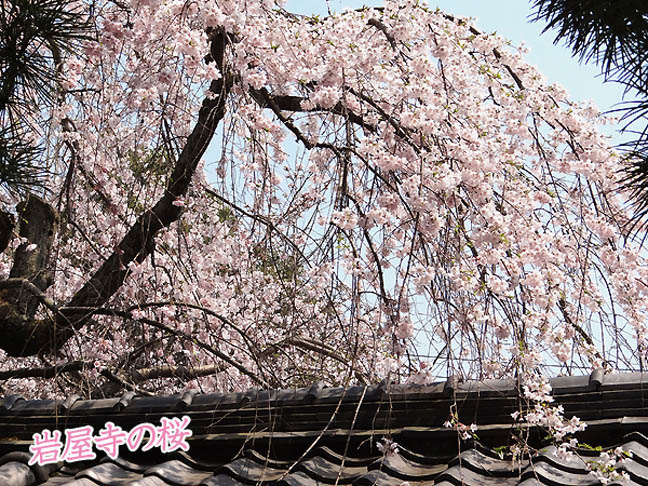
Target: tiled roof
[(326, 436), (472, 467)]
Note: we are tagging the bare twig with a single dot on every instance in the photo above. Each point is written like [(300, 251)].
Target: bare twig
[(87, 311)]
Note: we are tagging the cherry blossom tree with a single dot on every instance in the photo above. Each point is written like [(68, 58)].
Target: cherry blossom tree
[(614, 35), (241, 197)]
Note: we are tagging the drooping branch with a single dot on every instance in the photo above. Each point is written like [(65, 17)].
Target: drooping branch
[(496, 52), (260, 219), (133, 377), (315, 347), (295, 341), (87, 312)]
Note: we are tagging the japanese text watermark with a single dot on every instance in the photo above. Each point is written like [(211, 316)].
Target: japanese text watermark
[(171, 435)]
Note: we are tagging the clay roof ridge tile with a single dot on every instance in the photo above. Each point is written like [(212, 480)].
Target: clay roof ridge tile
[(9, 401)]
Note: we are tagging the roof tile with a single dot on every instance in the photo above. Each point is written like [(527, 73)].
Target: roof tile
[(150, 481), (278, 437), (9, 401), (483, 464), (83, 482), (399, 466), (178, 473), (222, 480), (463, 476), (637, 472), (109, 473), (249, 470), (382, 478), (16, 474), (302, 479), (552, 475), (326, 471)]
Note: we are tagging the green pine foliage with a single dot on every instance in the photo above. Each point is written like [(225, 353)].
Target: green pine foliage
[(613, 34), (35, 36)]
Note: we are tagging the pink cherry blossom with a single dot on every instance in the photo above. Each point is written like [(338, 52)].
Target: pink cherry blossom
[(353, 190)]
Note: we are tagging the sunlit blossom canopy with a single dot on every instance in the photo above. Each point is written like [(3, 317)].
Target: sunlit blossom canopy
[(252, 198)]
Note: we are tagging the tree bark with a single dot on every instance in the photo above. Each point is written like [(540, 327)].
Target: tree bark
[(6, 229), (38, 223)]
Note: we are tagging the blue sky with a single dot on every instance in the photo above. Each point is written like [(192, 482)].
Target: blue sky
[(509, 19)]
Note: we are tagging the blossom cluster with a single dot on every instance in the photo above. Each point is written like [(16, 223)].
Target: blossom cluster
[(466, 432), (387, 447), (607, 468)]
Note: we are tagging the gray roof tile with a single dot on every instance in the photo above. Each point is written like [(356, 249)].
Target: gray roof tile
[(637, 471), (82, 482), (575, 464), (150, 481), (302, 479), (530, 482), (401, 467), (177, 473), (480, 462), (326, 471), (221, 480), (186, 399), (381, 478), (58, 480), (471, 468), (275, 437), (637, 449), (109, 473), (16, 474), (551, 475), (463, 476), (9, 401), (249, 470), (137, 467), (69, 401), (267, 461)]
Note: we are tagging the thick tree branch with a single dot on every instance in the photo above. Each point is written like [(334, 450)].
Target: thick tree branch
[(137, 244), (294, 104), (26, 285), (38, 226), (47, 371), (183, 372), (383, 28), (134, 377)]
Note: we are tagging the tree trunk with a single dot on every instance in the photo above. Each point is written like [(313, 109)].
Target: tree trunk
[(39, 225)]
